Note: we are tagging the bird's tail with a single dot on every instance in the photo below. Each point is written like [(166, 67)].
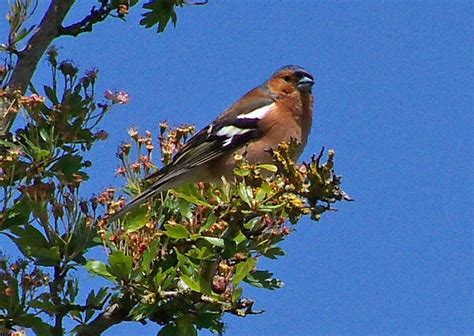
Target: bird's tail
[(137, 201)]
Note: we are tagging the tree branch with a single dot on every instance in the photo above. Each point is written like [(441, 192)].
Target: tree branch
[(113, 314), (47, 31), (28, 58), (85, 25)]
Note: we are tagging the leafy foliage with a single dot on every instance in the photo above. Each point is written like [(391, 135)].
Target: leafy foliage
[(42, 166), (187, 253), (160, 12)]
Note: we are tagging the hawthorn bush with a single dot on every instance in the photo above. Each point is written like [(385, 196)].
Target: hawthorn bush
[(182, 259)]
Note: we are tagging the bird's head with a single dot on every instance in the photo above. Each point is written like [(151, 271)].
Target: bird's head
[(292, 77)]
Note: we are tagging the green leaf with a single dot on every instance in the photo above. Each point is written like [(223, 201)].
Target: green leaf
[(48, 256), (190, 193), (183, 260), (263, 279), (260, 195), (242, 172), (185, 326), (210, 320), (242, 270), (99, 268), (51, 95), (72, 288), (136, 219), (44, 134), (141, 311), (169, 330), (176, 231), (245, 193), (236, 294), (184, 208), (120, 265), (215, 241), (35, 323), (164, 279), (37, 152), (44, 305), (269, 167), (201, 253), (149, 255), (17, 215), (211, 219), (160, 13), (29, 237), (68, 165), (273, 252), (194, 285), (33, 244)]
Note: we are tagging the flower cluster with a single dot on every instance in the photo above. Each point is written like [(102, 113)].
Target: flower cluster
[(117, 97)]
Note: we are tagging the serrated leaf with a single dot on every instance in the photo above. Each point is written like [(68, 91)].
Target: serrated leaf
[(273, 252), (45, 305), (242, 172), (263, 279), (185, 326), (210, 320), (160, 14)]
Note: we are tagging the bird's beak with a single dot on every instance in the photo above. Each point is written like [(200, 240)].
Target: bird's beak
[(305, 83)]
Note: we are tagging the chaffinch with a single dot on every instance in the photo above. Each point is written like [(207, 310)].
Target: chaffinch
[(277, 111)]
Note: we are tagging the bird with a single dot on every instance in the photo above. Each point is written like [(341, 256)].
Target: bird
[(277, 111)]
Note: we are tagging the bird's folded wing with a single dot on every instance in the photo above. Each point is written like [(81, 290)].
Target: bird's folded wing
[(219, 138)]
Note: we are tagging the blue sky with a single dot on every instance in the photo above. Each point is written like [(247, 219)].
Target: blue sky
[(393, 97)]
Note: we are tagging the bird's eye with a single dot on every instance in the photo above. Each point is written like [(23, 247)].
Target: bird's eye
[(286, 78)]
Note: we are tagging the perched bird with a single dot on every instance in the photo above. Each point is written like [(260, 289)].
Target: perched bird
[(277, 111)]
